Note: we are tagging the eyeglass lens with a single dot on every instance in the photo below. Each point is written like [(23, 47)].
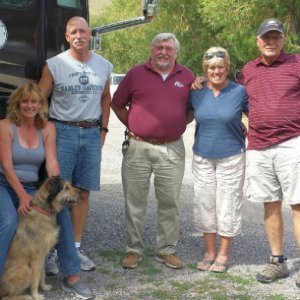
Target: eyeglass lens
[(219, 54)]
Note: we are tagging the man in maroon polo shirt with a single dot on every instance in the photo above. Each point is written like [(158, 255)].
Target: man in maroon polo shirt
[(272, 82), (151, 102)]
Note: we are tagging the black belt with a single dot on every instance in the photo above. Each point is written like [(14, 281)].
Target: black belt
[(79, 124), (30, 183)]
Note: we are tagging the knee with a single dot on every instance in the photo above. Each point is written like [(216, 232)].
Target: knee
[(273, 208), (83, 198)]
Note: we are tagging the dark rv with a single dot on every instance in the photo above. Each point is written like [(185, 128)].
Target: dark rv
[(33, 30)]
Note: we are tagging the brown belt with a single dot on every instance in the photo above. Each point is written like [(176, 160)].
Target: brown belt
[(150, 141), (80, 124)]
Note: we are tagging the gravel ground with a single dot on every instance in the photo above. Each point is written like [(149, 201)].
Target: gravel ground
[(104, 242)]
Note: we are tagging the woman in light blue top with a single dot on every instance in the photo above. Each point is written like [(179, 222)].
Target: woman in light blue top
[(219, 158)]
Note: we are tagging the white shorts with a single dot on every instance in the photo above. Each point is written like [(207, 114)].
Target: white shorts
[(273, 174), (218, 186)]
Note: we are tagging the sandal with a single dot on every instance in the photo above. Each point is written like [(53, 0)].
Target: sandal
[(218, 267), (204, 264)]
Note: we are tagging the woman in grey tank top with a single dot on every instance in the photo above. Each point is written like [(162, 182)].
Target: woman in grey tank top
[(26, 140)]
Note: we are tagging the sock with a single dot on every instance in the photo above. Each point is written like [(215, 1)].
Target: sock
[(280, 258)]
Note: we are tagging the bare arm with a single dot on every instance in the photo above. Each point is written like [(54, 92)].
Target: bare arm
[(189, 116), (121, 113), (49, 137), (6, 136), (46, 82), (105, 106), (198, 83)]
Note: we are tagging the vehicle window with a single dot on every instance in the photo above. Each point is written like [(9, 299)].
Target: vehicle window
[(69, 3), (117, 79), (16, 2)]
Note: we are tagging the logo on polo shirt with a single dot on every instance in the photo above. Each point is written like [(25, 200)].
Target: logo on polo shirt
[(178, 84)]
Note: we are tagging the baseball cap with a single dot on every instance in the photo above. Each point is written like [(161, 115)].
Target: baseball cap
[(269, 25)]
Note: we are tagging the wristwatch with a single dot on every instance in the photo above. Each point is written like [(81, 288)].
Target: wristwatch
[(104, 129)]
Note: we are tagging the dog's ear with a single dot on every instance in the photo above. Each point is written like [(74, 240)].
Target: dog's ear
[(55, 185)]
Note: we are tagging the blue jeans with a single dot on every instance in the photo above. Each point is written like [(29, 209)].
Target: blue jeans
[(67, 255), (79, 155)]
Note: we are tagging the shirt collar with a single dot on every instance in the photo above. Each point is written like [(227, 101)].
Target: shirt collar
[(177, 68), (281, 58)]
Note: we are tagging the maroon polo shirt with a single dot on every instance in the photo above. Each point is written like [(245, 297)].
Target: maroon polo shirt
[(157, 107), (274, 95)]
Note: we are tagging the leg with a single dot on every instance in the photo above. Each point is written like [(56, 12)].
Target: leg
[(136, 173), (210, 245), (274, 226), (220, 264), (230, 174), (15, 281), (80, 214), (277, 267), (86, 177), (42, 283), (36, 266), (67, 256), (210, 253), (8, 224), (204, 179), (79, 218), (168, 169), (296, 219), (78, 152)]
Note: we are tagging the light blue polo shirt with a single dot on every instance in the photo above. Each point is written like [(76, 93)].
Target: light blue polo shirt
[(218, 120)]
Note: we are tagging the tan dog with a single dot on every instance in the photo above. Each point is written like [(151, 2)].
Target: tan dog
[(36, 235)]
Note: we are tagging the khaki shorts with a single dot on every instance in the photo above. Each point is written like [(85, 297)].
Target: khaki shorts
[(273, 174)]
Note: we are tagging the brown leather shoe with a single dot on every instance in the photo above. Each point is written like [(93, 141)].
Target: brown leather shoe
[(131, 260), (170, 260)]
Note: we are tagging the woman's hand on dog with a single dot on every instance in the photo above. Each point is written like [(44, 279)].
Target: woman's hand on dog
[(24, 204)]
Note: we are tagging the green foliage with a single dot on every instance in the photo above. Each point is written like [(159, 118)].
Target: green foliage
[(199, 25)]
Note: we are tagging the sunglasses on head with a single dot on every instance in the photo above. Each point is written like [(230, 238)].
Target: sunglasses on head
[(220, 54)]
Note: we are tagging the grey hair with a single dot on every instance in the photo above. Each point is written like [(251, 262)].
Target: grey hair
[(165, 36)]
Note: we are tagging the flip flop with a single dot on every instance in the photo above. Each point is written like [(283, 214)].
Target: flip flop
[(218, 267), (204, 264)]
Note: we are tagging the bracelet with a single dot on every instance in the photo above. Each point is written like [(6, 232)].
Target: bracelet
[(104, 129)]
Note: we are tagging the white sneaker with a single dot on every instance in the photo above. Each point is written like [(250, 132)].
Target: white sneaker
[(51, 264), (85, 263)]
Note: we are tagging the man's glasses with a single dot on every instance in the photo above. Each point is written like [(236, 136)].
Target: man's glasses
[(220, 54), (166, 48)]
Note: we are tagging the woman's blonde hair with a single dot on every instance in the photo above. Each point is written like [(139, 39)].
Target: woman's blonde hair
[(27, 91), (216, 56)]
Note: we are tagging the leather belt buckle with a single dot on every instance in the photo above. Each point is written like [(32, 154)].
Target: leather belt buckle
[(85, 124)]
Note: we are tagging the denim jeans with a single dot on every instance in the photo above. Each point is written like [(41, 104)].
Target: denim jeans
[(67, 255), (79, 155)]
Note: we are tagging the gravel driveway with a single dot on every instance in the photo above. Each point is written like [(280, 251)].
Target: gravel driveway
[(104, 242)]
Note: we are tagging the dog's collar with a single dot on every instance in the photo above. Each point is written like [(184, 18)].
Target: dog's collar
[(42, 211)]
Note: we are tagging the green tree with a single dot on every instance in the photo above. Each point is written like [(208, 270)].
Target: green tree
[(198, 24)]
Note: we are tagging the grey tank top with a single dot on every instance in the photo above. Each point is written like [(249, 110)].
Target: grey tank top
[(27, 161)]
